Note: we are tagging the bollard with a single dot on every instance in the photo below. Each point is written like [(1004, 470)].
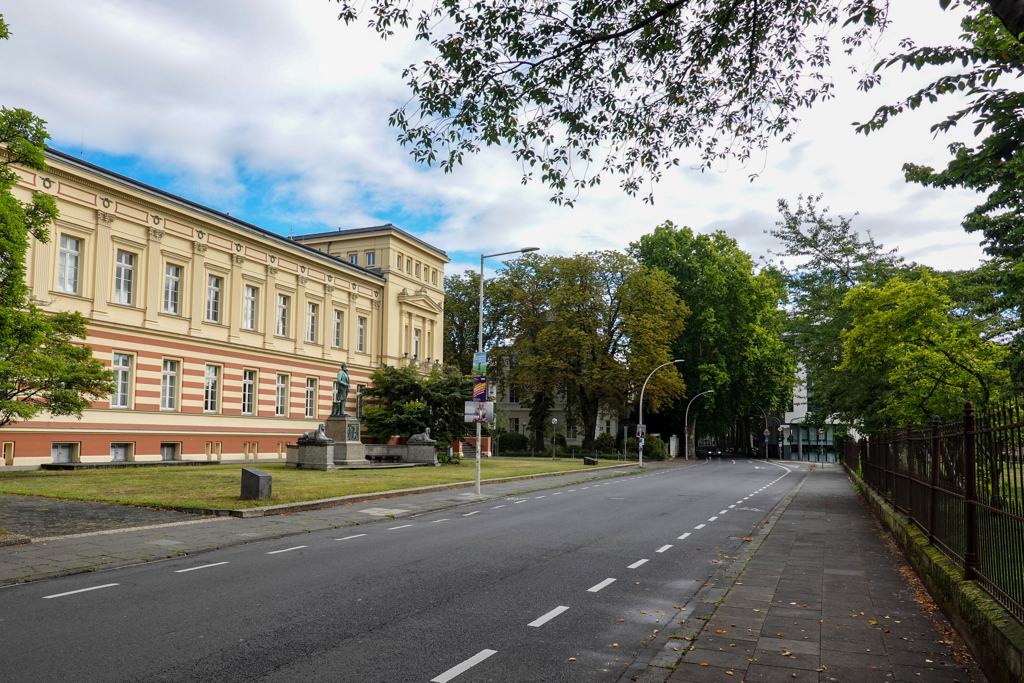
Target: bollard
[(255, 484)]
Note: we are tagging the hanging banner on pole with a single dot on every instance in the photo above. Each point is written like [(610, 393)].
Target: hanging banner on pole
[(480, 364), (479, 412), (479, 389)]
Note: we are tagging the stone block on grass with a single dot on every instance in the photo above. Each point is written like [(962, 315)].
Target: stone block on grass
[(255, 484)]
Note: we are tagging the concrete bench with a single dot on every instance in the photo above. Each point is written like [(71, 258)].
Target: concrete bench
[(383, 457)]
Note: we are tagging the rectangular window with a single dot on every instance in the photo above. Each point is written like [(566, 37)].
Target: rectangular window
[(169, 386), (213, 285), (282, 315), (337, 329), (417, 270), (172, 288), (249, 308), (212, 389), (513, 423), (67, 266), (248, 392), (416, 344), (399, 261), (408, 265), (122, 367), (124, 278), (361, 334), (353, 259), (433, 277), (371, 259), (312, 313), (310, 398), (281, 396), (513, 395)]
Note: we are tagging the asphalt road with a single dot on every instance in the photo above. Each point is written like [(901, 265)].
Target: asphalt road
[(568, 584)]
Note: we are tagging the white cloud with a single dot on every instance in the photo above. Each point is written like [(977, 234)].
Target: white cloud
[(218, 94)]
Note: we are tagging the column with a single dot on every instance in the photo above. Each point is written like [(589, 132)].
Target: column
[(102, 270), (233, 304), (198, 311), (153, 273), (270, 308)]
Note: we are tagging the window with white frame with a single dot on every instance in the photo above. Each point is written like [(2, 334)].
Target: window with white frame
[(283, 302), (281, 396), (353, 259), (122, 367), (249, 302), (124, 278), (513, 395), (248, 392), (169, 385), (172, 289), (338, 324), (312, 315), (415, 343), (371, 259), (213, 291), (513, 423), (399, 261), (417, 270), (433, 277), (408, 265), (310, 397), (211, 393), (361, 334), (67, 264)]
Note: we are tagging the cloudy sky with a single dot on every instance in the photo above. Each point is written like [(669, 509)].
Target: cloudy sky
[(274, 111)]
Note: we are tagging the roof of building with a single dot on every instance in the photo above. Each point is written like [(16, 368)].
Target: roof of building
[(343, 232), (212, 213)]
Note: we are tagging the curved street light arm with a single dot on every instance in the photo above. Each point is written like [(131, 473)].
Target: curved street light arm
[(686, 423), (642, 390)]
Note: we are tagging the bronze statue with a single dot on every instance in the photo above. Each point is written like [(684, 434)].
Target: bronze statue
[(343, 382)]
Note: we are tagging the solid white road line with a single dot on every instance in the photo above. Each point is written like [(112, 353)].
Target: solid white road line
[(663, 548), (636, 564), (465, 666), (699, 526), (684, 536), (595, 588), (84, 590), (350, 537), (468, 514), (540, 621), (298, 547), (404, 526), (202, 566)]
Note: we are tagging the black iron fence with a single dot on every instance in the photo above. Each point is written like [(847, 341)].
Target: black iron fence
[(962, 484)]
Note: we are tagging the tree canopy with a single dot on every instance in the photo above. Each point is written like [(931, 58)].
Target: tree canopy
[(405, 402), (733, 341), (587, 328)]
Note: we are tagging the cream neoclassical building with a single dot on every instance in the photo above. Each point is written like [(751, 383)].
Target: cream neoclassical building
[(224, 338)]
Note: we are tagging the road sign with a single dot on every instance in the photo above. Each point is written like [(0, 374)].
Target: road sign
[(766, 432)]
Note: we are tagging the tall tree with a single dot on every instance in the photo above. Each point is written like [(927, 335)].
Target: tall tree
[(405, 402), (977, 69), (461, 318), (41, 366), (829, 258), (934, 357), (732, 343), (587, 328)]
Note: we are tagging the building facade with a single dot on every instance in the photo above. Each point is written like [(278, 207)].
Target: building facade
[(224, 338)]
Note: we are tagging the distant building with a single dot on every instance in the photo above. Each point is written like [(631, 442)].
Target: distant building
[(225, 338), (507, 399)]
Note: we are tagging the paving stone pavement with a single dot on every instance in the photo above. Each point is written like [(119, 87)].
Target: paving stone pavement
[(822, 600), (118, 536)]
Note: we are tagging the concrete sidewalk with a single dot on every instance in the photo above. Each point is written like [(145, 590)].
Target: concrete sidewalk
[(822, 599), (176, 534)]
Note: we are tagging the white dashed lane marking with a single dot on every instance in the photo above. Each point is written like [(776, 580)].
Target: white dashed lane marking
[(441, 520), (404, 526), (663, 548), (202, 566), (298, 547), (597, 587), (637, 564), (699, 526), (348, 538), (540, 621), (464, 666), (86, 590), (684, 536)]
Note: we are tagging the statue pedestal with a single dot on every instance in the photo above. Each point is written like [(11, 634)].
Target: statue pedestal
[(311, 456), (348, 449)]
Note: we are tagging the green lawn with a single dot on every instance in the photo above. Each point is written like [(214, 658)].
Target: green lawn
[(217, 486)]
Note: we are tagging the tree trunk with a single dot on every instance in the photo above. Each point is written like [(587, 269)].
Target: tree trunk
[(1011, 13)]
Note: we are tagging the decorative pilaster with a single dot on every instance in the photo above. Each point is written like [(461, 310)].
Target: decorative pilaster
[(233, 310), (101, 284), (153, 276), (198, 311)]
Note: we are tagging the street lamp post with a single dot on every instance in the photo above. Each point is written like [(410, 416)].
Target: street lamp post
[(686, 422), (480, 341), (644, 388), (554, 436)]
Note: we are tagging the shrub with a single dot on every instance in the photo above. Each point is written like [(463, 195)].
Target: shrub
[(511, 441), (654, 448), (604, 443)]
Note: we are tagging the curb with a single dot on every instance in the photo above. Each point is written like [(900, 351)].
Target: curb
[(307, 505)]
